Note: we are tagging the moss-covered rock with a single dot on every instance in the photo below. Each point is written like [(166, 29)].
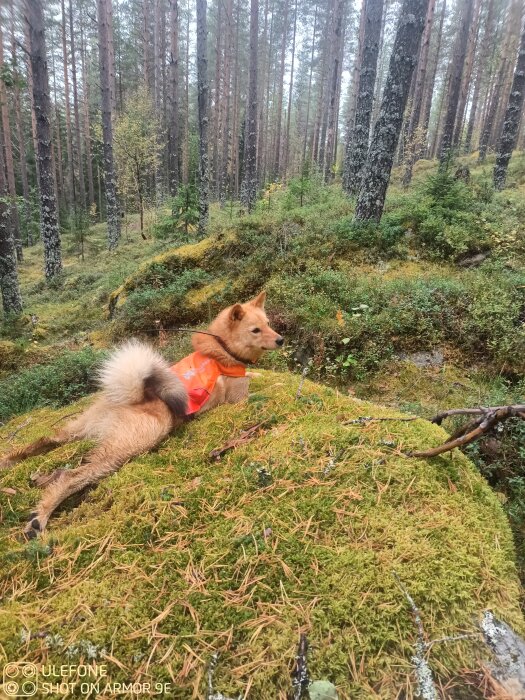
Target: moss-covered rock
[(176, 556)]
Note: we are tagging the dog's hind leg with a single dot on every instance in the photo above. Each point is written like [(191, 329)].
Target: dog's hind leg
[(74, 430), (120, 445)]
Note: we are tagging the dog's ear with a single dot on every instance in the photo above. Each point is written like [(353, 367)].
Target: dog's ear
[(236, 312), (259, 300)]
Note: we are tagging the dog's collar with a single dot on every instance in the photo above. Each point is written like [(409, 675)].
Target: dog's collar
[(238, 358)]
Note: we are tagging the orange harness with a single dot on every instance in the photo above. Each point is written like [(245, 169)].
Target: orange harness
[(199, 375)]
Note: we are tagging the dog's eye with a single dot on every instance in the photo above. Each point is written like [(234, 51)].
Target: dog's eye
[(256, 330)]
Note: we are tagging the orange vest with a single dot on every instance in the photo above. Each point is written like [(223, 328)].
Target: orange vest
[(199, 375)]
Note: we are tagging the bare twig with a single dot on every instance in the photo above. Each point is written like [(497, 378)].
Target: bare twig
[(301, 382), (15, 432)]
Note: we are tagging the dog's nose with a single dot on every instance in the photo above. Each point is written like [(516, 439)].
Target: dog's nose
[(279, 341)]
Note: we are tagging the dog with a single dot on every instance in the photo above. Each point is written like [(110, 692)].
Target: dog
[(143, 399)]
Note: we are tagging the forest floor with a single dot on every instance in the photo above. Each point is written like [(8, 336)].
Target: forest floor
[(420, 314)]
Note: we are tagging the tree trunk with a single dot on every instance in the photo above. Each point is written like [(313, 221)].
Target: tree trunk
[(458, 64), (22, 153), (250, 164), (186, 140), (491, 114), (511, 125), (87, 130), (9, 162), (290, 93), (76, 112), (112, 206), (357, 146), (335, 82), (71, 194), (203, 107), (280, 92), (483, 59), (228, 50), (467, 73), (34, 18), (9, 286), (376, 174), (430, 83), (412, 141), (173, 99), (309, 95)]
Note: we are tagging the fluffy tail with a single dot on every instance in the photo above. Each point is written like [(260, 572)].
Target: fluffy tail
[(136, 369)]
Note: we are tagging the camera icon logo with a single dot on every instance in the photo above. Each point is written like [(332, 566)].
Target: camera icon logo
[(20, 679)]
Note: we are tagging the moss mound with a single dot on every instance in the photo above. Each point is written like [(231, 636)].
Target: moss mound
[(177, 556)]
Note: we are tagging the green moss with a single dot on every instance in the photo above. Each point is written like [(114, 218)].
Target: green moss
[(175, 556)]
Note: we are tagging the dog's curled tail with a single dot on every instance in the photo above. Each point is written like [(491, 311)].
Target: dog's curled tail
[(135, 370)]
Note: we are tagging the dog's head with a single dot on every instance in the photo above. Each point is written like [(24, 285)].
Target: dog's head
[(246, 330)]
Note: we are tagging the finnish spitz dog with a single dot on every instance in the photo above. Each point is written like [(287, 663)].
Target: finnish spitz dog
[(143, 399)]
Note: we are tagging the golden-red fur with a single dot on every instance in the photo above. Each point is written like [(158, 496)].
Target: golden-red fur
[(142, 402)]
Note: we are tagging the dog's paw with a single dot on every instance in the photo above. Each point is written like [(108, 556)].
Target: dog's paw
[(253, 375), (33, 527), (5, 463)]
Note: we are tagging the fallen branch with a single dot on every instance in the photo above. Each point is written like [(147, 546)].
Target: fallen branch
[(246, 436), (425, 679), (364, 420), (300, 677), (9, 437), (486, 419)]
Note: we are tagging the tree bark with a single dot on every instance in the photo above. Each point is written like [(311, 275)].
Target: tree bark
[(9, 162), (250, 165), (511, 125), (34, 18), (203, 109), (376, 175), (357, 146), (9, 285), (112, 205)]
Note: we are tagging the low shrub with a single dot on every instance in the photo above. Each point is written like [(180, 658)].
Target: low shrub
[(66, 379)]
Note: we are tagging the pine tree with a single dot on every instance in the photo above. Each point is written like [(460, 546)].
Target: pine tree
[(250, 152), (34, 17), (112, 205), (376, 174), (457, 68), (203, 109), (511, 125), (9, 286), (357, 146)]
